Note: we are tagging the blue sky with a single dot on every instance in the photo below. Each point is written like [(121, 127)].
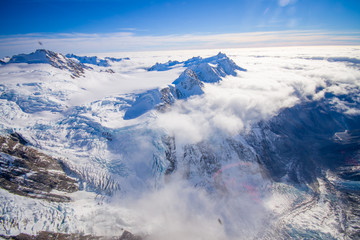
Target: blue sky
[(28, 21)]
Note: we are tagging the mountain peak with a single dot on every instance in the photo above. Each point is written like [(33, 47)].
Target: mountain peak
[(221, 55), (93, 60), (45, 56), (188, 84), (210, 69), (39, 56)]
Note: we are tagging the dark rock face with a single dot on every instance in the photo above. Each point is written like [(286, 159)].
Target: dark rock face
[(170, 154), (17, 137), (63, 236), (27, 172), (200, 159), (129, 236), (51, 236)]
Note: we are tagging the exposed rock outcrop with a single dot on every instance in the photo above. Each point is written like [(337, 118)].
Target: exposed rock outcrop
[(28, 172)]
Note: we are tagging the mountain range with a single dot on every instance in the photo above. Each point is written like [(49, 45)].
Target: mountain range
[(197, 149)]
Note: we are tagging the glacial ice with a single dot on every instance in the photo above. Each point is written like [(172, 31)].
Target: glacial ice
[(282, 173)]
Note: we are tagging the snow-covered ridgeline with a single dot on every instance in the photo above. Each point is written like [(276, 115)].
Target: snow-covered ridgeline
[(189, 83), (94, 60), (54, 59)]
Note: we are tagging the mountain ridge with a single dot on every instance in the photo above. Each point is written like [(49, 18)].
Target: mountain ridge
[(94, 60), (190, 82)]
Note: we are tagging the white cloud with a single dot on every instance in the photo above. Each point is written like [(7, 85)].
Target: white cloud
[(284, 3), (181, 211), (227, 107), (128, 41), (270, 84)]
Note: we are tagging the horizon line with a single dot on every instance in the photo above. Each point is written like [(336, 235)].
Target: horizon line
[(80, 43)]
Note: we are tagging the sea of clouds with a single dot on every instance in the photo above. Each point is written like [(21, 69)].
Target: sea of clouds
[(275, 79)]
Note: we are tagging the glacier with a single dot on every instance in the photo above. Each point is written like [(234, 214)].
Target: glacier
[(241, 144)]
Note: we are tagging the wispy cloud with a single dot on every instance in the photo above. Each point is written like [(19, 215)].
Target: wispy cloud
[(129, 41), (284, 3), (127, 29)]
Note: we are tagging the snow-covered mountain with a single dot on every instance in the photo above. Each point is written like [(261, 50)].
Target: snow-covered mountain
[(186, 149), (94, 60), (210, 69), (56, 60), (189, 83)]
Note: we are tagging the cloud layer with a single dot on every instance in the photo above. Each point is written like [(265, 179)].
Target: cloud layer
[(80, 43), (270, 84)]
